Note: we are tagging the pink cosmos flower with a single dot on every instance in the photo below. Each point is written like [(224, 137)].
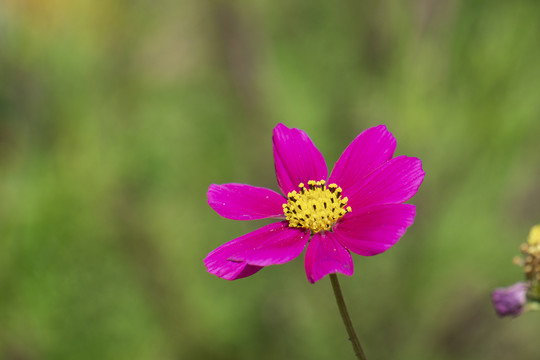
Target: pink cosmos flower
[(359, 208)]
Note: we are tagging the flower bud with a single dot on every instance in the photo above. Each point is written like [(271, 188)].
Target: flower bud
[(510, 300)]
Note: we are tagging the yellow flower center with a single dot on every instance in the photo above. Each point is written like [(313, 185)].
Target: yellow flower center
[(316, 207)]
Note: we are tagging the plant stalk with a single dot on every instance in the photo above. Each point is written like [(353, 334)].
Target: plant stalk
[(346, 318)]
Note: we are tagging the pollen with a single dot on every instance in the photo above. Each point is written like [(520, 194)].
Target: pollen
[(316, 207)]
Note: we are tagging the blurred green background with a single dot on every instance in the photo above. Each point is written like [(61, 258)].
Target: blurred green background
[(115, 116)]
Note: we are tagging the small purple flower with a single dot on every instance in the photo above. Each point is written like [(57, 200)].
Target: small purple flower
[(510, 300), (359, 208)]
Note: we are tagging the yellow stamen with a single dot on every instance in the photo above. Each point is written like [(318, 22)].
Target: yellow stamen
[(316, 207)]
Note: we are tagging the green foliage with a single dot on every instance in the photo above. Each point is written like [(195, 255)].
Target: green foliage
[(116, 116)]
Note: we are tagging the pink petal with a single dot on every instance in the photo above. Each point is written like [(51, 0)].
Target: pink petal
[(232, 270), (275, 243), (297, 160), (393, 182), (372, 148), (245, 202), (271, 245), (375, 229), (325, 255)]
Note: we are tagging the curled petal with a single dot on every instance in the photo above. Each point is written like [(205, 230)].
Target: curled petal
[(245, 202), (272, 244), (394, 182), (372, 148), (231, 270), (325, 255), (296, 158), (375, 229)]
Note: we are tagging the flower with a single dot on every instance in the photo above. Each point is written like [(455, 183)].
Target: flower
[(534, 236), (531, 262), (510, 300), (359, 208)]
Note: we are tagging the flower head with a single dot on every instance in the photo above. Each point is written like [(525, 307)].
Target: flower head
[(510, 300), (534, 236), (531, 261), (359, 207)]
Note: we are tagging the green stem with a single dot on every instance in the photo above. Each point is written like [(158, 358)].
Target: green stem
[(346, 318)]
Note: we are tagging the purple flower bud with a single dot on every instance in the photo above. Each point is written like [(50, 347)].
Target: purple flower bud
[(510, 300)]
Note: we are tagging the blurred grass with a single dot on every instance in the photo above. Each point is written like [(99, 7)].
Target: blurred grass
[(116, 116)]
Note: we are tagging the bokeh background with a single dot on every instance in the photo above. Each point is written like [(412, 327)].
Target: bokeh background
[(115, 116)]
